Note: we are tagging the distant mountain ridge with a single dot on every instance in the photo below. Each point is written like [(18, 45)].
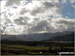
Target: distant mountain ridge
[(58, 36)]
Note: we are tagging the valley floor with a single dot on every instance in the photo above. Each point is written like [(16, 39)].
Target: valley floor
[(40, 48)]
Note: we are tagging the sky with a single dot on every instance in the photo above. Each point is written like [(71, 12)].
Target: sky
[(36, 16)]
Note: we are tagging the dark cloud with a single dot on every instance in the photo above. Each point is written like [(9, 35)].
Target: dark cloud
[(38, 10), (38, 27), (41, 26), (36, 19), (11, 2), (21, 21), (0, 0), (48, 5), (8, 20), (23, 11), (65, 22), (1, 31), (68, 24), (45, 7)]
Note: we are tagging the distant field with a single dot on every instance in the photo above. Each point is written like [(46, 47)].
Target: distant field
[(24, 49), (17, 49)]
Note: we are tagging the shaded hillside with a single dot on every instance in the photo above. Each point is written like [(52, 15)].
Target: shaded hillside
[(58, 36), (66, 37)]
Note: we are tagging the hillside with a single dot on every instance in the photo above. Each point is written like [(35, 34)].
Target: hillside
[(58, 36)]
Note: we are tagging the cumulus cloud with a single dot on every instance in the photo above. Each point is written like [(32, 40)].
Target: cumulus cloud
[(65, 24), (47, 6), (34, 17), (53, 25)]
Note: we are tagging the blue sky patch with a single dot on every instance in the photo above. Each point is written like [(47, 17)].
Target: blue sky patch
[(67, 10)]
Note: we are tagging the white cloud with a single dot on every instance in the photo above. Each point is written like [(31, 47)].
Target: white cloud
[(37, 16)]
